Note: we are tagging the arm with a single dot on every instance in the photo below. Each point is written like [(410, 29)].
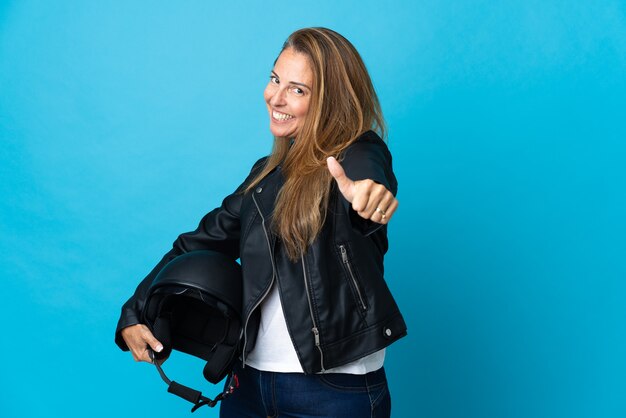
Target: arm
[(218, 230), (366, 180)]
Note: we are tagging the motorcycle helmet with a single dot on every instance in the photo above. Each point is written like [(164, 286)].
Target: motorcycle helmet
[(194, 306)]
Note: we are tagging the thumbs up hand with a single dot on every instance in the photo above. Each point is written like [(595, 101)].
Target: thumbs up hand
[(369, 199)]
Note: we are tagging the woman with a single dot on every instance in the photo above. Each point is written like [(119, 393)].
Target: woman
[(310, 231)]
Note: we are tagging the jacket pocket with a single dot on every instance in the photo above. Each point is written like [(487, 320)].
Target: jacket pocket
[(353, 281)]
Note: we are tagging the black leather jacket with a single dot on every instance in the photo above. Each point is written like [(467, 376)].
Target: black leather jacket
[(337, 305)]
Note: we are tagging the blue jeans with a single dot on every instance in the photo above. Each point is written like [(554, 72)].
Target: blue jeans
[(295, 395)]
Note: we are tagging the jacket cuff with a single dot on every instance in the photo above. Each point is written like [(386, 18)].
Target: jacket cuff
[(364, 226)]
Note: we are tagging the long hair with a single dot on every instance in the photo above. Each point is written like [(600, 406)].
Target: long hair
[(343, 105)]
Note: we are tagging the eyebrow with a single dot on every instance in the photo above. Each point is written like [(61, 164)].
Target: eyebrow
[(293, 82)]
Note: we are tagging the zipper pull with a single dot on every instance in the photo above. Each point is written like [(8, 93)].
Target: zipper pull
[(344, 254), (317, 336)]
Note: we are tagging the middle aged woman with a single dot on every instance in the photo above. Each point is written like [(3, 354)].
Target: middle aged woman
[(310, 231)]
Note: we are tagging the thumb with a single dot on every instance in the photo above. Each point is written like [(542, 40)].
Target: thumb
[(153, 342), (346, 186)]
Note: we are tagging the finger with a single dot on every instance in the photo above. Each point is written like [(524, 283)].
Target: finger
[(152, 341), (139, 350), (362, 196), (132, 336), (345, 184), (146, 355), (139, 340), (141, 353), (390, 211), (136, 355), (381, 211), (379, 197)]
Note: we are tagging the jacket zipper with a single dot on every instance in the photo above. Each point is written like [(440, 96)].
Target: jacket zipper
[(315, 330), (256, 305), (344, 257)]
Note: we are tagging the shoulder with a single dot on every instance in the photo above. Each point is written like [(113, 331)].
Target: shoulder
[(256, 169), (369, 139), (260, 163), (368, 145)]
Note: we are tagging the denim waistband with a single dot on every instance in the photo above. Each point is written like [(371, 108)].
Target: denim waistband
[(377, 377)]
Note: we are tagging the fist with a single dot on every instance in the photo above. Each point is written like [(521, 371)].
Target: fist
[(139, 340), (369, 199)]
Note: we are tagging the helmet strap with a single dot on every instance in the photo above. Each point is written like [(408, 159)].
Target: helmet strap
[(192, 395)]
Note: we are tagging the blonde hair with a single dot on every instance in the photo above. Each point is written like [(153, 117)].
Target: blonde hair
[(343, 105)]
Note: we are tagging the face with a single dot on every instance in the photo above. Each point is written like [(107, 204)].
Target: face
[(288, 93)]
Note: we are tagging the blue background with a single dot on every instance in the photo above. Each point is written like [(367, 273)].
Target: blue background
[(122, 123)]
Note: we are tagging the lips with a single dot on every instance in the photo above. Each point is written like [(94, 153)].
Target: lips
[(281, 117)]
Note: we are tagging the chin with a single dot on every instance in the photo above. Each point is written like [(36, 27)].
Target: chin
[(281, 132)]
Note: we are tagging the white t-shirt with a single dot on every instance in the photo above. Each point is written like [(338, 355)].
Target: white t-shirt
[(274, 350)]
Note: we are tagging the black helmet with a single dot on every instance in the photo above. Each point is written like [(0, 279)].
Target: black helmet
[(194, 305)]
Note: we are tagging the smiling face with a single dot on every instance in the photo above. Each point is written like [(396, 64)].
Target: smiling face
[(288, 93)]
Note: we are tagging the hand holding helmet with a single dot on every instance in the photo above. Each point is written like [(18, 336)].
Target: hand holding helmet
[(193, 305), (139, 339)]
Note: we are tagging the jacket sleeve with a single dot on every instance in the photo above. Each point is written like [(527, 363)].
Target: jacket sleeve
[(218, 230), (368, 158)]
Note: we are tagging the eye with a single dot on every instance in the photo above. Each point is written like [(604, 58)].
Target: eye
[(298, 91), (274, 79)]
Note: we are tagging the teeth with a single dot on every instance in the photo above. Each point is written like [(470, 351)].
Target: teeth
[(281, 116)]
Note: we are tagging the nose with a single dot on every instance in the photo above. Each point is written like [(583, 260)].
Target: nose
[(278, 98)]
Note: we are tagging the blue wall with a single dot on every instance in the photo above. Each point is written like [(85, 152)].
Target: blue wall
[(122, 123)]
